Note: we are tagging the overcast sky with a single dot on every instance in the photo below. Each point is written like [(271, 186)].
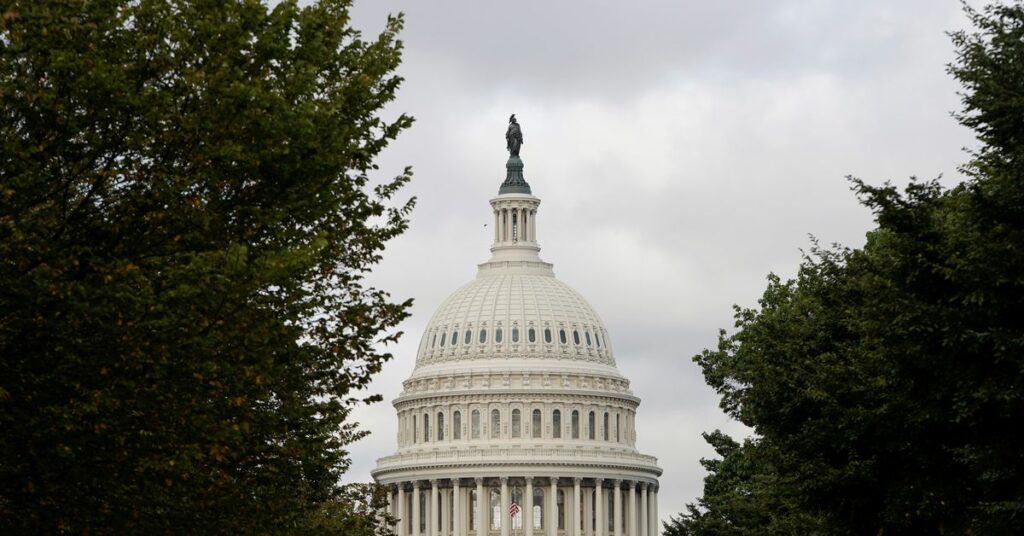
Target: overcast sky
[(682, 151)]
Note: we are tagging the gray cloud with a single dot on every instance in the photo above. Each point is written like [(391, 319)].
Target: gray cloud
[(682, 151)]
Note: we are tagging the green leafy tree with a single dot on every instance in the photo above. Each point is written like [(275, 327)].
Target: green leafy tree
[(885, 385), (186, 222)]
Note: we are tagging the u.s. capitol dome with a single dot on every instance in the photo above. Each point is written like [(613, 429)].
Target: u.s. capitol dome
[(516, 419)]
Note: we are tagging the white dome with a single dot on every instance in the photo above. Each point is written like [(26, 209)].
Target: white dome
[(515, 380), (507, 314)]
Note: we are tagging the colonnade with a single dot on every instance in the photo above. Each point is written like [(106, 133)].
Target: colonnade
[(515, 224), (569, 506)]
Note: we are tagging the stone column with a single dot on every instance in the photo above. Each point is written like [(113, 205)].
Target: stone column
[(435, 508), (402, 516), (588, 513), (415, 508), (654, 506), (481, 508), (553, 517), (528, 506), (643, 509), (652, 511), (506, 522), (617, 504), (577, 509), (446, 509), (599, 520), (457, 509), (631, 518)]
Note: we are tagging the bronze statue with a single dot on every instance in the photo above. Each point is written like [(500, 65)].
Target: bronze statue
[(513, 136)]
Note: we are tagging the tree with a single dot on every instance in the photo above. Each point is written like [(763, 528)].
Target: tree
[(186, 222), (883, 383)]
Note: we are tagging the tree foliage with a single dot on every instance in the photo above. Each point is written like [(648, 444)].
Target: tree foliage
[(186, 221), (885, 385)]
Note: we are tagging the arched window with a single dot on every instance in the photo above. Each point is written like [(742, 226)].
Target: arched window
[(495, 509), (587, 333), (515, 334), (618, 422), (531, 335), (468, 337), (457, 425), (495, 424), (547, 335), (474, 424), (426, 427), (538, 507), (597, 339), (423, 508), (560, 499), (483, 336), (561, 336), (536, 424), (440, 426), (606, 426), (474, 507), (576, 337), (517, 497), (455, 338), (433, 341), (575, 424), (443, 335), (610, 507), (556, 424), (415, 429), (516, 423), (591, 425), (497, 335)]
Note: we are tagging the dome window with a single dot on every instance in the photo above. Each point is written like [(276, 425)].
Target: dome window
[(517, 423), (474, 424), (587, 333), (597, 338), (556, 424), (576, 337), (547, 335), (442, 339), (561, 336), (497, 335), (531, 335), (495, 424), (457, 425), (433, 342), (455, 338), (515, 334), (575, 424), (591, 424), (537, 427), (440, 426), (483, 336), (468, 338)]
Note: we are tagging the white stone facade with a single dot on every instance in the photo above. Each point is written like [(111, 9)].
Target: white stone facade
[(516, 398)]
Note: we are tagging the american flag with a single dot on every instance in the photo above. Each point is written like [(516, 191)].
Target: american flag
[(513, 508)]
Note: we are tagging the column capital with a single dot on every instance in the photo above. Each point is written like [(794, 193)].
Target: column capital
[(503, 480), (643, 485), (433, 482), (598, 481), (577, 479), (554, 479), (416, 484), (528, 479), (636, 484), (456, 482), (618, 482), (479, 480)]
